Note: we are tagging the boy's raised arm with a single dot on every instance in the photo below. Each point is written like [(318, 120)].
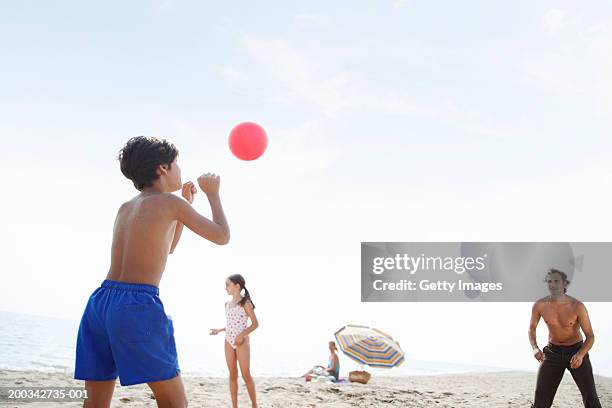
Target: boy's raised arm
[(217, 230), (187, 192)]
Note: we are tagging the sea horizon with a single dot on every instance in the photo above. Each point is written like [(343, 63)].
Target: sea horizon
[(31, 342)]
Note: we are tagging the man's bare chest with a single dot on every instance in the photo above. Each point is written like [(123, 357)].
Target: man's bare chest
[(560, 316)]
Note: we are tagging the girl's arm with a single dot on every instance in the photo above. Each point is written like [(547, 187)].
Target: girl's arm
[(248, 308), (214, 332)]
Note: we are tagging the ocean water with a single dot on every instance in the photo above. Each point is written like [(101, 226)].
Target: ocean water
[(36, 343), (40, 343)]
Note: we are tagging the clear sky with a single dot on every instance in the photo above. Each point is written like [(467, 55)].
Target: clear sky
[(399, 120)]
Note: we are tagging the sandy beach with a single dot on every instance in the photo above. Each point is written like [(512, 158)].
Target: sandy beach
[(487, 390)]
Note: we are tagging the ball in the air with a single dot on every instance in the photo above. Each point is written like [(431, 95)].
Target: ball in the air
[(248, 141)]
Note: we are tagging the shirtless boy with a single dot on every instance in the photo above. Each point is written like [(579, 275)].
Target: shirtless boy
[(564, 316), (124, 330)]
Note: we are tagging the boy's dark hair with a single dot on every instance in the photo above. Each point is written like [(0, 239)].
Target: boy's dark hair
[(141, 156), (562, 274)]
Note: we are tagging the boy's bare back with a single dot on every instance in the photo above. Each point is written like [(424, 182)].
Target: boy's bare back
[(147, 224), (142, 236)]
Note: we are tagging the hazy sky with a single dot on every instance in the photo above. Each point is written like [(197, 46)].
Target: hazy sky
[(402, 120)]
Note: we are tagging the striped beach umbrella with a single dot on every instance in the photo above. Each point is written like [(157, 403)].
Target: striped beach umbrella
[(369, 346)]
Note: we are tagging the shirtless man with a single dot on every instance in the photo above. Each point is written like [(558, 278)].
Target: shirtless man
[(124, 330), (564, 316)]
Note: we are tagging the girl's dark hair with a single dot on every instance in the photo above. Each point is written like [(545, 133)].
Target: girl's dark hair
[(141, 156), (237, 279)]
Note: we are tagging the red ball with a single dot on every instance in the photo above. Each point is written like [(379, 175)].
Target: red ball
[(248, 141)]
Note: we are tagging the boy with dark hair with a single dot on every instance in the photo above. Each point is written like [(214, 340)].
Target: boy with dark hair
[(124, 330)]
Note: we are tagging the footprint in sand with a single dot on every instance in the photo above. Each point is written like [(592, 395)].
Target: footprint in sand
[(275, 388)]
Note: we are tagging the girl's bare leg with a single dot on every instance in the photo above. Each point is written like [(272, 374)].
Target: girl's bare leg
[(243, 352), (230, 358)]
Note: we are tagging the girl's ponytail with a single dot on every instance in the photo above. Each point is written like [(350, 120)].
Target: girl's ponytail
[(247, 297)]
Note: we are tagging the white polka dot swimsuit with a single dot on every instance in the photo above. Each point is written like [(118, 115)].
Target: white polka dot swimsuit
[(236, 322)]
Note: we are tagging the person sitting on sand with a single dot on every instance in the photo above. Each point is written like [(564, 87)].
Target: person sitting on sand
[(333, 366)]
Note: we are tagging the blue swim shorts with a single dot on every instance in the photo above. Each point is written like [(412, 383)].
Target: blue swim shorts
[(125, 332)]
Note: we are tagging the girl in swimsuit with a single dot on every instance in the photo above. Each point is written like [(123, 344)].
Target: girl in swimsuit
[(237, 350)]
